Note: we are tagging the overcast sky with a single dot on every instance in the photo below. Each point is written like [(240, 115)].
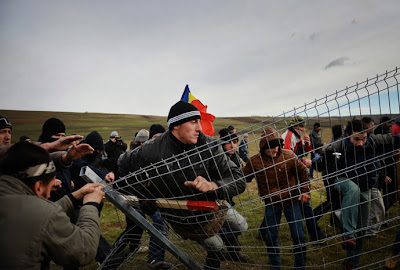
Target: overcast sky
[(241, 58)]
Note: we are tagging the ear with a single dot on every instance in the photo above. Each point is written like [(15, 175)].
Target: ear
[(37, 188)]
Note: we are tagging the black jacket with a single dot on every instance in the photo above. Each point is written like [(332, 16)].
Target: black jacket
[(163, 164), (359, 164)]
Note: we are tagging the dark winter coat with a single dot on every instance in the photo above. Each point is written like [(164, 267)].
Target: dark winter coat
[(360, 164), (162, 166)]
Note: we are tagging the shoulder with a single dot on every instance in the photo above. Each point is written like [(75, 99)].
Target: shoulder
[(287, 154)]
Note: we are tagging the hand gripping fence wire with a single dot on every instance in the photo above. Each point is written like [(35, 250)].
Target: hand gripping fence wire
[(90, 177)]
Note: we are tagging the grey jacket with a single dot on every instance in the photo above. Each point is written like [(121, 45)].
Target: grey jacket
[(34, 231), (163, 164)]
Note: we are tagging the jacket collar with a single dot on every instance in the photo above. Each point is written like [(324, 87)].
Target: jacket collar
[(12, 185)]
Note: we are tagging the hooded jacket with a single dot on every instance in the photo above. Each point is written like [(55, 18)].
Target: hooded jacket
[(281, 179), (34, 231)]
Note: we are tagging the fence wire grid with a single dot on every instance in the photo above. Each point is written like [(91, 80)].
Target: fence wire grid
[(271, 226)]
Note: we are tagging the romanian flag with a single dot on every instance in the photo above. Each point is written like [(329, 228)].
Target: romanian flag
[(206, 118)]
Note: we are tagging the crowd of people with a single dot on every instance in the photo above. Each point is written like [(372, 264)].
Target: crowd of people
[(49, 213)]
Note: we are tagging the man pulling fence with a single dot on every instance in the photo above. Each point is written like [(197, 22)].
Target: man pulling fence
[(185, 164)]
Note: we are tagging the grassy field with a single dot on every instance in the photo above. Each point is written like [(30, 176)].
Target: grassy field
[(327, 255)]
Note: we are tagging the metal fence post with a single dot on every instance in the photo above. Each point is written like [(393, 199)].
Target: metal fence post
[(91, 177)]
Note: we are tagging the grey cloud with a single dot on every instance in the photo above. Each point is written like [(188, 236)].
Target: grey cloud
[(314, 35), (337, 62)]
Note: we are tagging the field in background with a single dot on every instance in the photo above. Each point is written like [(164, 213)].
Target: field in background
[(113, 221)]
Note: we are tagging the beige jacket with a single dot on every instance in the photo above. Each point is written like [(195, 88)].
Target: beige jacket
[(34, 231)]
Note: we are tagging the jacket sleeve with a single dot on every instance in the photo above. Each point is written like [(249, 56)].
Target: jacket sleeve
[(129, 162), (72, 245), (57, 159), (302, 175), (380, 140), (231, 181), (248, 171)]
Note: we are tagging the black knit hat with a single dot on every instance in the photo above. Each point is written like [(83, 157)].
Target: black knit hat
[(51, 127), (182, 112), (95, 140), (226, 136), (156, 128), (4, 123)]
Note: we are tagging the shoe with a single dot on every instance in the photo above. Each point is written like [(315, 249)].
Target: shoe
[(391, 261), (348, 243), (347, 266), (154, 264)]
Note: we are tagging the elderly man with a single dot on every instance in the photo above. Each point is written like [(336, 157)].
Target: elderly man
[(35, 230), (194, 167), (5, 131)]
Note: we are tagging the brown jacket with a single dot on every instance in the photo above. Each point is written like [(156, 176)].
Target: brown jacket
[(280, 179)]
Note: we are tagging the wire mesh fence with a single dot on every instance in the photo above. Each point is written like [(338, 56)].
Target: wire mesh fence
[(296, 203)]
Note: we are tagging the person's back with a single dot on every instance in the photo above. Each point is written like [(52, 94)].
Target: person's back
[(35, 230)]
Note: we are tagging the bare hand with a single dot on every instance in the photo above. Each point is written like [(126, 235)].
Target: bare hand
[(77, 152), (202, 184), (306, 139), (62, 143), (308, 163), (305, 197), (96, 195), (110, 177), (86, 189), (72, 184), (388, 180), (57, 185)]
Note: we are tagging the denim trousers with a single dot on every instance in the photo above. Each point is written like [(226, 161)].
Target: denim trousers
[(272, 220), (156, 251), (355, 213), (313, 228)]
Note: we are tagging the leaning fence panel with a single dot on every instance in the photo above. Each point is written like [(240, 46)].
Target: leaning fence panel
[(295, 203)]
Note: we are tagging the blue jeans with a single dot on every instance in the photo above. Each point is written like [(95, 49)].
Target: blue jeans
[(272, 220), (313, 228), (355, 213), (156, 251)]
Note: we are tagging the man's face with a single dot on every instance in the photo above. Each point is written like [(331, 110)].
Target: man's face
[(358, 139), (5, 136), (370, 127), (230, 147), (300, 129), (188, 132), (272, 152), (44, 190), (317, 129), (114, 139), (246, 139), (58, 135)]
